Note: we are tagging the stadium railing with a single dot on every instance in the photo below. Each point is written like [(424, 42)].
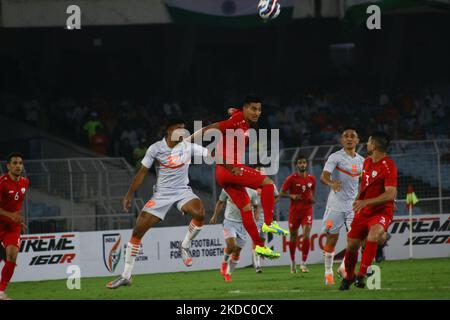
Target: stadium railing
[(85, 194), (424, 164)]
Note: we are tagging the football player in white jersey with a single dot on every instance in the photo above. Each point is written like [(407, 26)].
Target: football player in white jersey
[(259, 219), (233, 229), (341, 173), (172, 156)]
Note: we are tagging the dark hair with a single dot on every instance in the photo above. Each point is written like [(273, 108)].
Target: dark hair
[(349, 128), (173, 122), (252, 98), (381, 140), (14, 155), (301, 156)]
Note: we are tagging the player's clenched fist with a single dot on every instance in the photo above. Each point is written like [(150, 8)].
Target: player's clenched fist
[(336, 186), (358, 205), (126, 202)]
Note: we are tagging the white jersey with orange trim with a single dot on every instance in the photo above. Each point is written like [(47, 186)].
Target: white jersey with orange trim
[(346, 169), (232, 212), (172, 164)]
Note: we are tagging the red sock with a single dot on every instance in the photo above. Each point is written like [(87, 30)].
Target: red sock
[(7, 273), (305, 249), (250, 226), (350, 260), (368, 255), (292, 247), (268, 202)]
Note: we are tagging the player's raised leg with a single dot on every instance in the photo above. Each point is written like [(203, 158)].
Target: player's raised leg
[(196, 209), (143, 223), (268, 204)]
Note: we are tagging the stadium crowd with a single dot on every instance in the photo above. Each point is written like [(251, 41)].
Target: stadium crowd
[(126, 128)]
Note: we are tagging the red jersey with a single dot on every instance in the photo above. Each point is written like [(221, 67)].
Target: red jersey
[(375, 177), (12, 194), (233, 153), (304, 186)]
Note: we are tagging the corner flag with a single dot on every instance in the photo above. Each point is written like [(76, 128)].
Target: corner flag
[(411, 198)]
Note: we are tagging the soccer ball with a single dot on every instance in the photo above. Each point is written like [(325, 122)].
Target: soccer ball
[(268, 9)]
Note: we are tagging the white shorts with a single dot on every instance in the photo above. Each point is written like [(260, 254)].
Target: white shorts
[(163, 200), (334, 220), (232, 229)]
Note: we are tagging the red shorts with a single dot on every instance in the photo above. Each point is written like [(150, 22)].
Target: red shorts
[(235, 185), (361, 225), (10, 234), (300, 218)]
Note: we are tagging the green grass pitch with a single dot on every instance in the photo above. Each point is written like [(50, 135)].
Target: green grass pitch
[(407, 279)]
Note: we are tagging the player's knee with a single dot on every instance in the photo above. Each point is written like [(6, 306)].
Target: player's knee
[(11, 257), (332, 240), (199, 216), (267, 181), (352, 245), (293, 236), (306, 232), (376, 234)]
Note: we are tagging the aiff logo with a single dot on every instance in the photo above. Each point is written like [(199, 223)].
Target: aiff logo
[(112, 250)]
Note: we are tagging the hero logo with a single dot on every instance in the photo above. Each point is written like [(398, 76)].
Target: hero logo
[(112, 251), (49, 243), (423, 225)]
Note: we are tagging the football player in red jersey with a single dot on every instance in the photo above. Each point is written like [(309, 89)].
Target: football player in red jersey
[(233, 176), (373, 207), (300, 187), (13, 188)]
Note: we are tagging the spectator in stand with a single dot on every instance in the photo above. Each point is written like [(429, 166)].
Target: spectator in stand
[(99, 142), (91, 125), (126, 151), (32, 110), (139, 153), (130, 135)]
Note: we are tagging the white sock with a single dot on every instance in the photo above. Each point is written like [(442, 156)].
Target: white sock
[(232, 265), (256, 260), (328, 257), (130, 256), (342, 266), (193, 231)]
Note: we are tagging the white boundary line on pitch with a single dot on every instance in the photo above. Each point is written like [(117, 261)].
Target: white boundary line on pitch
[(318, 290)]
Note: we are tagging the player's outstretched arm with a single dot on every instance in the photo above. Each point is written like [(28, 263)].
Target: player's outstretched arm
[(217, 211), (197, 135), (138, 179)]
